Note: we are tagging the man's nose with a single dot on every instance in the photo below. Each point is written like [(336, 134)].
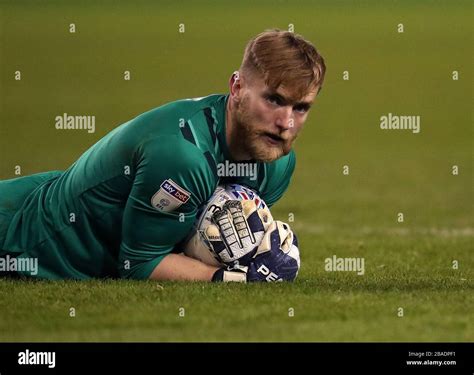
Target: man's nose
[(284, 118)]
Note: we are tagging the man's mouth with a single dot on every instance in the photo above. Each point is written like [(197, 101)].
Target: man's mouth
[(273, 138)]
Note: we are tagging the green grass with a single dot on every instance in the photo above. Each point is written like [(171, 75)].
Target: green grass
[(408, 265), (326, 308), (413, 272)]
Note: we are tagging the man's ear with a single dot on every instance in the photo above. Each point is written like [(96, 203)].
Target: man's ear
[(235, 85)]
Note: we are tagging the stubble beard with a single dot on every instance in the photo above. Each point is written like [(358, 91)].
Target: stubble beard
[(250, 141)]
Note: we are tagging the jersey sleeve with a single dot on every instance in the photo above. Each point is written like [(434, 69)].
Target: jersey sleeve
[(279, 176), (172, 179)]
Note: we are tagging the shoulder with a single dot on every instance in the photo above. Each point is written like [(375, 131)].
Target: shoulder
[(282, 167), (174, 157), (183, 108), (278, 176), (186, 118), (172, 151)]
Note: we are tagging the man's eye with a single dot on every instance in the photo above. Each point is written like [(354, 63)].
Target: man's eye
[(301, 109), (274, 100)]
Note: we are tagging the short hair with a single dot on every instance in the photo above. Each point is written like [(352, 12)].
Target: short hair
[(284, 58)]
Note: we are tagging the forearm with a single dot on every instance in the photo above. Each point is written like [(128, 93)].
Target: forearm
[(180, 267)]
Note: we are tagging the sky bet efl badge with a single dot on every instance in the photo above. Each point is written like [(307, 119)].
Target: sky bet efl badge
[(170, 196)]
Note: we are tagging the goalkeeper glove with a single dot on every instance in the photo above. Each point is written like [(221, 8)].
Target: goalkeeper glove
[(237, 230), (276, 259)]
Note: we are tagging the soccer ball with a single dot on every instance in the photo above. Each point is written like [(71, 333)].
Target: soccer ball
[(196, 247)]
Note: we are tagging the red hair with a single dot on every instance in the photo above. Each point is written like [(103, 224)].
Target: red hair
[(283, 58)]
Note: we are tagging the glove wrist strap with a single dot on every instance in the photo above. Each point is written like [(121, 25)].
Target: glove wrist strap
[(229, 276)]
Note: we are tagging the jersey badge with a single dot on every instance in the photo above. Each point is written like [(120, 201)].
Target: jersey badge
[(170, 196)]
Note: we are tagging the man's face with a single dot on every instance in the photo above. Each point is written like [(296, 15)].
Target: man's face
[(266, 122)]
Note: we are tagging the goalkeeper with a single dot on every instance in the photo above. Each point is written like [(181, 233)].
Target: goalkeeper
[(122, 209)]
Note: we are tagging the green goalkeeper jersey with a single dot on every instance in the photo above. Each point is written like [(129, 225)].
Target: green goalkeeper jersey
[(132, 197)]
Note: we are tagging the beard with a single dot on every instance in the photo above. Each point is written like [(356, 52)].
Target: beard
[(250, 139)]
